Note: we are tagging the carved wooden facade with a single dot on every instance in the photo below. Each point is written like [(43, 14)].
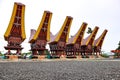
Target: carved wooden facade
[(87, 44), (39, 38), (58, 42), (116, 53), (98, 42), (74, 43), (15, 33)]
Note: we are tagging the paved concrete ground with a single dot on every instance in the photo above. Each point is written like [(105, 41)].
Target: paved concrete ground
[(61, 70)]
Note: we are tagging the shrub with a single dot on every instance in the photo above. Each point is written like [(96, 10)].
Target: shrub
[(105, 55)]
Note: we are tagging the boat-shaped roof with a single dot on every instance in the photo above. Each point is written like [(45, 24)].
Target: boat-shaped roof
[(17, 21), (78, 35), (90, 39), (99, 40), (64, 29), (45, 25)]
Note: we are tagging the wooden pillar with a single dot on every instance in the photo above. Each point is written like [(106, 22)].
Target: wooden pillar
[(34, 52), (74, 53), (18, 52), (9, 52)]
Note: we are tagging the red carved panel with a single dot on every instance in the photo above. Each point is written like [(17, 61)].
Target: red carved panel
[(77, 46), (93, 36), (43, 32), (61, 44), (79, 39), (15, 40), (89, 47), (98, 47), (65, 31), (16, 28), (41, 42)]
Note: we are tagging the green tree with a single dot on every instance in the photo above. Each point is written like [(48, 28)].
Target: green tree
[(1, 54), (89, 30), (118, 46)]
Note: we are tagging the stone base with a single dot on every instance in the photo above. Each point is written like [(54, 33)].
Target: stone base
[(91, 56), (41, 57), (12, 57), (71, 56), (112, 57), (63, 57), (79, 57), (56, 56), (99, 56)]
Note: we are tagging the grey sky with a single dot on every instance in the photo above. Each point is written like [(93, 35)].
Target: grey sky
[(102, 13)]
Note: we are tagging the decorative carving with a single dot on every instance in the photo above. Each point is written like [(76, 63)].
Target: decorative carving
[(98, 42), (87, 44), (74, 43), (58, 42), (39, 38), (15, 33)]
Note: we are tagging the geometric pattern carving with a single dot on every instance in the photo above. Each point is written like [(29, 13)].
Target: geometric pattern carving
[(74, 43), (88, 43), (15, 33), (58, 42), (38, 39), (99, 41)]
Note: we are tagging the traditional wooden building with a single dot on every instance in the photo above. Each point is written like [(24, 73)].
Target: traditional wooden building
[(58, 42), (15, 33), (116, 53), (38, 39), (98, 43), (74, 43), (88, 43)]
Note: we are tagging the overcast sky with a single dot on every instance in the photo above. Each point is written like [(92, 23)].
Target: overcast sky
[(102, 13)]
